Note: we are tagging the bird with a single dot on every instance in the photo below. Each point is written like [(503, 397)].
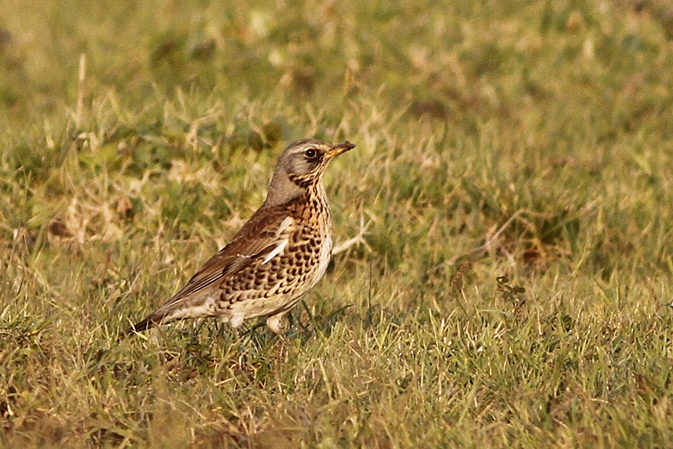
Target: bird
[(278, 255)]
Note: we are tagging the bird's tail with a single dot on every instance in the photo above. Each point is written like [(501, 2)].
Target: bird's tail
[(143, 325), (165, 314)]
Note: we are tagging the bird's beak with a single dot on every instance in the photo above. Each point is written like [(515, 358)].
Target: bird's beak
[(340, 149)]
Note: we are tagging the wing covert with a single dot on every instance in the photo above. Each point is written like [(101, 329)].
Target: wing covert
[(261, 237)]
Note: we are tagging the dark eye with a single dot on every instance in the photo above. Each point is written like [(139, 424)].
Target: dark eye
[(311, 153)]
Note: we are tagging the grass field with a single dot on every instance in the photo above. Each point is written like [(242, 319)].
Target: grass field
[(507, 217)]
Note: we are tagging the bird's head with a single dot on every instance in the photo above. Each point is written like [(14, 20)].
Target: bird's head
[(302, 164)]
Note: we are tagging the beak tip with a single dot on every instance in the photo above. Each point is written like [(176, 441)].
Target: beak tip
[(346, 146)]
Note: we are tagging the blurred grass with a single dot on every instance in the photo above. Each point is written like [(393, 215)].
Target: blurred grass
[(116, 186)]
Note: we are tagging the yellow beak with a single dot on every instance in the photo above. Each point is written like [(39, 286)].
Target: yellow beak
[(340, 149)]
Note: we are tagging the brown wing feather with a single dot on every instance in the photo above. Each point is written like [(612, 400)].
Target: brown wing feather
[(256, 239)]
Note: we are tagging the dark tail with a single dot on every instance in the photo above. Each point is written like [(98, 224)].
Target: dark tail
[(138, 327)]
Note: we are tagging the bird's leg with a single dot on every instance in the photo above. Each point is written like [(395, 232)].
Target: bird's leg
[(274, 323)]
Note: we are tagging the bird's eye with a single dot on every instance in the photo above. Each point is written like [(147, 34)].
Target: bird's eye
[(311, 153)]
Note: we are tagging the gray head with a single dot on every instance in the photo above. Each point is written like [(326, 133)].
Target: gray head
[(301, 165)]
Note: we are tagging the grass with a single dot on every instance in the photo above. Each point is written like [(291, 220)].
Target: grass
[(512, 178)]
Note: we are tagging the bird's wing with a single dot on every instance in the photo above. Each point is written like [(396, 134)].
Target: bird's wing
[(263, 237)]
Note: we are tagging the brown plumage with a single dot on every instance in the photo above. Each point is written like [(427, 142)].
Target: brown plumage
[(276, 257)]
